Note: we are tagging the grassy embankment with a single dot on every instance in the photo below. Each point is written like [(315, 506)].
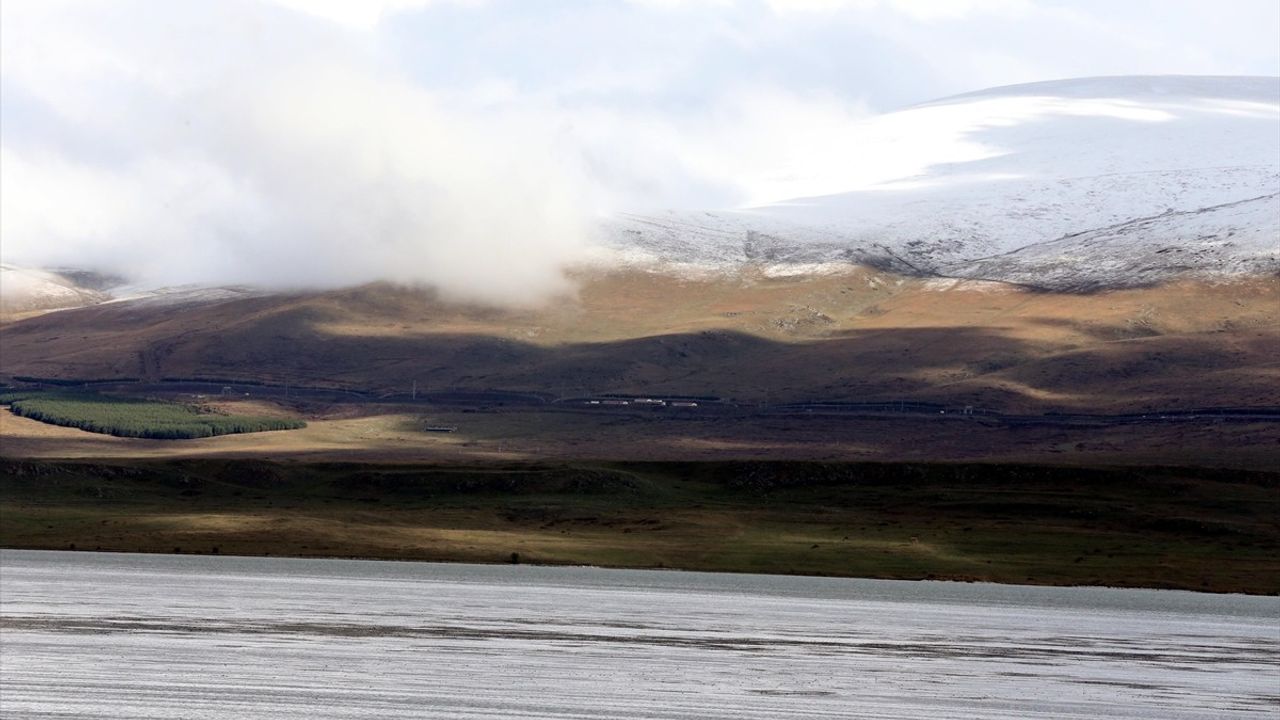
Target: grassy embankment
[(134, 417), (1173, 528)]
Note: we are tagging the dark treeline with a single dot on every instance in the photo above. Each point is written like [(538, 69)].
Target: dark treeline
[(127, 417)]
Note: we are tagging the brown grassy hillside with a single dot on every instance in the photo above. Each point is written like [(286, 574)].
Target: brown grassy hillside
[(857, 335)]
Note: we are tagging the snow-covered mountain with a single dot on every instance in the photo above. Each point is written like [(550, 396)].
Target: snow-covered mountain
[(1070, 184)]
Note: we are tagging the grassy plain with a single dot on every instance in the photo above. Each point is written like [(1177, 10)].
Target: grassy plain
[(1149, 527), (391, 434)]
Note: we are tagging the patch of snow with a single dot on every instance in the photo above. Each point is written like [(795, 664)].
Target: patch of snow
[(947, 283), (182, 295), (28, 289), (24, 289)]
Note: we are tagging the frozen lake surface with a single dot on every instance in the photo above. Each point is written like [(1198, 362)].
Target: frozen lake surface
[(150, 636)]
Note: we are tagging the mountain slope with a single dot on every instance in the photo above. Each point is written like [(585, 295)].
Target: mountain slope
[(1074, 184), (27, 290), (857, 336)]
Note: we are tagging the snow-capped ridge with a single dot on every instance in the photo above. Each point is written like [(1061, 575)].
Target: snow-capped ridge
[(1094, 182)]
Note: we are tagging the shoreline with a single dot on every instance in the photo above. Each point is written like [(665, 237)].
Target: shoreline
[(572, 566)]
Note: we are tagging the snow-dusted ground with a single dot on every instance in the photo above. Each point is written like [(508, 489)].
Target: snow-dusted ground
[(29, 289), (97, 635), (24, 289), (181, 294), (1065, 184)]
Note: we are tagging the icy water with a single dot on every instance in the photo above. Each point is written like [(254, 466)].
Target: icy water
[(151, 636)]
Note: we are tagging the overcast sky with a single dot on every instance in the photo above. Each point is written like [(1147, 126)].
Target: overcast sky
[(321, 142)]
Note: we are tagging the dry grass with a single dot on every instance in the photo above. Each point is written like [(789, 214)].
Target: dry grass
[(1157, 527), (854, 335)]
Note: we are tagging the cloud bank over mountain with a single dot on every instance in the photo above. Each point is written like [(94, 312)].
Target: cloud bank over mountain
[(189, 158), (472, 146)]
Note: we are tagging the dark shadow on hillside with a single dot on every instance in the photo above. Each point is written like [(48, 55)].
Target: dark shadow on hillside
[(268, 340), (977, 366)]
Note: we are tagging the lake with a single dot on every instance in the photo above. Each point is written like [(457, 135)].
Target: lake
[(166, 636)]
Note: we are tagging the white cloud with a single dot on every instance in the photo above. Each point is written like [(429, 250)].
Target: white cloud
[(927, 10), (310, 167), (355, 14)]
